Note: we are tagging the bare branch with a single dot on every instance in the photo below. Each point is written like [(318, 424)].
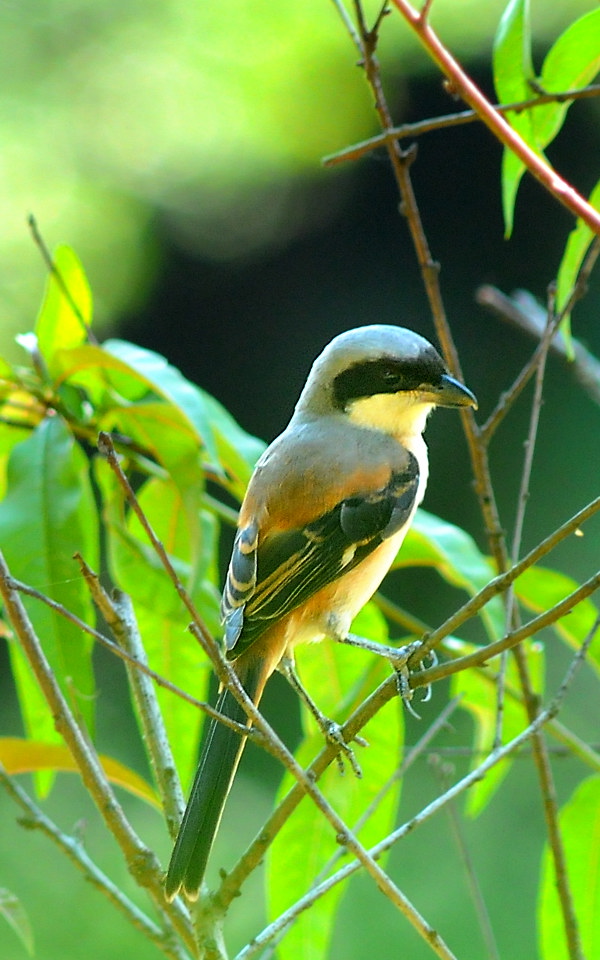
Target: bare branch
[(422, 127), (74, 851), (464, 87), (120, 617), (141, 861)]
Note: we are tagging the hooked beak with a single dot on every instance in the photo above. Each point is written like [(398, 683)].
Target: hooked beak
[(451, 393)]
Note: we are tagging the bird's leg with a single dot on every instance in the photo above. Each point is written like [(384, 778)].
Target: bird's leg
[(332, 731), (398, 658)]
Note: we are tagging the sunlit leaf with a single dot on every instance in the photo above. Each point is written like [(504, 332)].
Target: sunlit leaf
[(478, 694), (14, 913), (167, 436), (540, 589), (162, 617), (571, 63), (48, 514), (434, 542), (64, 318), (238, 450), (513, 71), (580, 831), (170, 384), (577, 246), (307, 843), (18, 755)]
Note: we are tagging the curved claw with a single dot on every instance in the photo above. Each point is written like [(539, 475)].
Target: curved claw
[(334, 735)]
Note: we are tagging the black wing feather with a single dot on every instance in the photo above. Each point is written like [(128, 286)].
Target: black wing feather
[(289, 567)]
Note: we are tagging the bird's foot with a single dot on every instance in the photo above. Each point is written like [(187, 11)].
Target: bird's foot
[(331, 730), (403, 675), (334, 736)]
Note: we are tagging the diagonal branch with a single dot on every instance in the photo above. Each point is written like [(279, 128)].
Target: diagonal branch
[(421, 127), (475, 775), (141, 861), (463, 86), (73, 849)]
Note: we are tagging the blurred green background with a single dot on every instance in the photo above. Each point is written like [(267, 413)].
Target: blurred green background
[(177, 146)]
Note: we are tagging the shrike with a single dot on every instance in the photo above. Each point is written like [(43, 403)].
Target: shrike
[(325, 513)]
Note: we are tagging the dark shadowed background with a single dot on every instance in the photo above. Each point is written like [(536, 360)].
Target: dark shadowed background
[(178, 148)]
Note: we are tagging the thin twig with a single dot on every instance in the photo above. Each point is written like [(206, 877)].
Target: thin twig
[(524, 312), (131, 661), (141, 861), (74, 851), (511, 640), (588, 368), (421, 127), (120, 617), (477, 774), (444, 771), (463, 86), (503, 581), (522, 500)]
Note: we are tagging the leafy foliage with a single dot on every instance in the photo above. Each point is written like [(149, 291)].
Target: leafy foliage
[(188, 461)]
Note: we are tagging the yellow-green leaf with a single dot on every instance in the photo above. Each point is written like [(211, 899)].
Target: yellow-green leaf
[(580, 831), (18, 755), (66, 313), (307, 843), (14, 913)]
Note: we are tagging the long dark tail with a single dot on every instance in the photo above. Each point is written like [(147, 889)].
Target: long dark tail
[(220, 756)]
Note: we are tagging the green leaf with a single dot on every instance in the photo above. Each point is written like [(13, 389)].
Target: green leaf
[(14, 913), (433, 542), (307, 844), (580, 830), (571, 63), (64, 321), (18, 755), (163, 431), (170, 384), (238, 450), (162, 618), (121, 375), (513, 71), (578, 244), (48, 514), (478, 697), (539, 589), (9, 437)]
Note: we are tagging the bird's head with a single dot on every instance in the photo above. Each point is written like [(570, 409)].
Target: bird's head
[(383, 377)]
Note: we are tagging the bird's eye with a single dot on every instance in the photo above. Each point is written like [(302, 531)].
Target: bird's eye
[(390, 375)]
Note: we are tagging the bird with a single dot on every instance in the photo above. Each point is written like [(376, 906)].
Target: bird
[(324, 515)]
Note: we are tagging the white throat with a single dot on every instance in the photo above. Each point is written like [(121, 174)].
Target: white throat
[(403, 415)]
